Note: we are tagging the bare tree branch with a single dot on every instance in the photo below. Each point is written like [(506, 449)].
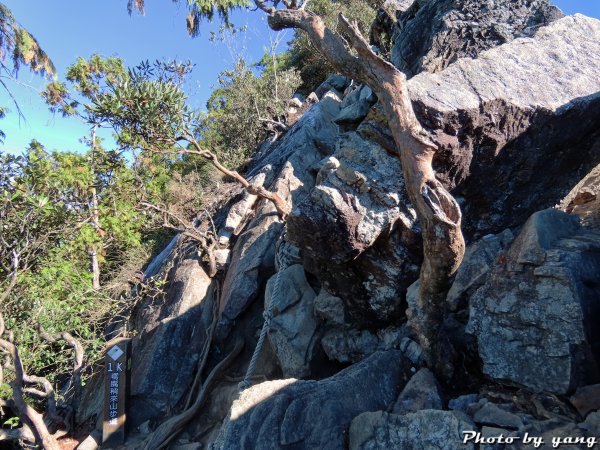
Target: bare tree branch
[(26, 413), (13, 278), (280, 205), (75, 380)]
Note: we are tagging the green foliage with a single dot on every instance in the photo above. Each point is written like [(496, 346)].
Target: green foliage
[(302, 56), (206, 9), (148, 109), (13, 422), (22, 48), (88, 78), (21, 45), (241, 106), (57, 97), (46, 218)]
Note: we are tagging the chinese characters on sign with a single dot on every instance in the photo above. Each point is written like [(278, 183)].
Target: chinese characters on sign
[(116, 388)]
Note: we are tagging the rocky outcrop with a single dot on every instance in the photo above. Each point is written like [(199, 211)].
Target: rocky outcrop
[(537, 311), (432, 34), (289, 169), (480, 257), (313, 414), (421, 392), (507, 124), (518, 126), (519, 110), (346, 345), (293, 328), (584, 199), (422, 430), (359, 199), (172, 329)]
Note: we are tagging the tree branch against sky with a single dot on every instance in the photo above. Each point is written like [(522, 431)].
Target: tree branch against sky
[(160, 34)]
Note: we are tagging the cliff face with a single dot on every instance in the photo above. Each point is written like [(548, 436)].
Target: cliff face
[(517, 128), (516, 114)]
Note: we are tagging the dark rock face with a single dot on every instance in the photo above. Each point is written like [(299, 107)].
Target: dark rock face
[(307, 415), (517, 127), (172, 333), (536, 316), (421, 392), (480, 258), (292, 333), (432, 34), (359, 203), (422, 430)]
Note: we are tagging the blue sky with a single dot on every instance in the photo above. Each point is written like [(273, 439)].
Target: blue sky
[(67, 29)]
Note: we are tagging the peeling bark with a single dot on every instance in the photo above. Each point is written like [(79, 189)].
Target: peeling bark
[(438, 212)]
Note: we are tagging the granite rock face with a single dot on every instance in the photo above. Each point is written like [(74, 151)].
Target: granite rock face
[(432, 34), (307, 415), (421, 392), (359, 199), (422, 430), (360, 189), (172, 329), (517, 127), (293, 328), (480, 258), (535, 317), (349, 345), (289, 170)]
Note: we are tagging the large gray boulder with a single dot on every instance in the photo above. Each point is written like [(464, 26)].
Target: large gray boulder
[(535, 317), (172, 329), (360, 199), (293, 328), (520, 110), (421, 392), (432, 34), (517, 127), (480, 258), (346, 345), (422, 430), (360, 195), (307, 415), (289, 170)]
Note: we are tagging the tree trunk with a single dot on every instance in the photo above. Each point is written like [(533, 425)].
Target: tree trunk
[(438, 212), (95, 220), (94, 249)]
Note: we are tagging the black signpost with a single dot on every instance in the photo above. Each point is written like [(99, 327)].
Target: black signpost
[(117, 370)]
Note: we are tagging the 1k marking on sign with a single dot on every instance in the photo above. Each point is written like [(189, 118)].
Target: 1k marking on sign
[(117, 364)]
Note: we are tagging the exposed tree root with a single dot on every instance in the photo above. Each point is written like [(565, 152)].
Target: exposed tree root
[(169, 429)]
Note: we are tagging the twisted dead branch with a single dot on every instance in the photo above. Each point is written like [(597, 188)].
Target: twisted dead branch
[(25, 412), (36, 426)]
